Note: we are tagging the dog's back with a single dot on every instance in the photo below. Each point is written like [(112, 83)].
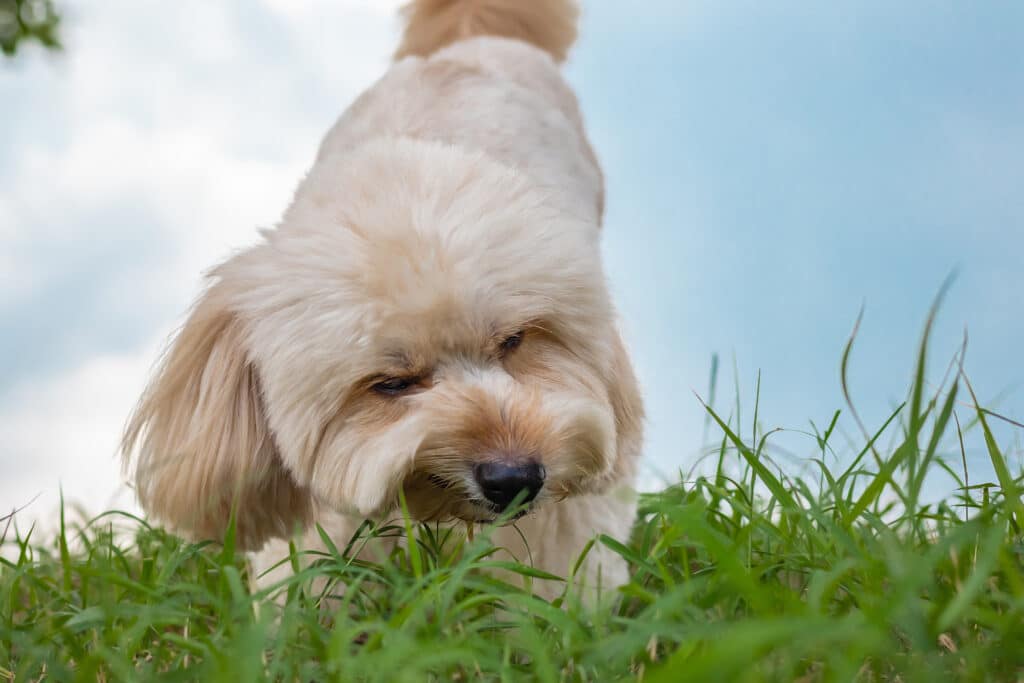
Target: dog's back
[(483, 76)]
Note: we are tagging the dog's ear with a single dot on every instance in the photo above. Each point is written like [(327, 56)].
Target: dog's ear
[(200, 441), (624, 394)]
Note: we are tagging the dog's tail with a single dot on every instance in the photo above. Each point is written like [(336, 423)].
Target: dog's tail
[(433, 24)]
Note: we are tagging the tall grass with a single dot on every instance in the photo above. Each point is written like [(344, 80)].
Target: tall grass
[(745, 573)]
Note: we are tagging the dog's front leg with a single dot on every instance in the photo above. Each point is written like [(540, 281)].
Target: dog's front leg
[(556, 534), (271, 566)]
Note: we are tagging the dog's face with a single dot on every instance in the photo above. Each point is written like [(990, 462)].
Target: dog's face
[(422, 322)]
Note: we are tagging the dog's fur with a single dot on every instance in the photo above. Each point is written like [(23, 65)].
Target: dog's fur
[(456, 204)]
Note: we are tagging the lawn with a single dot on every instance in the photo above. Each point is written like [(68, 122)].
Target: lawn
[(747, 572)]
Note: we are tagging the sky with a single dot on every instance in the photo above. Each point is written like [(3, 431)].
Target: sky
[(771, 169)]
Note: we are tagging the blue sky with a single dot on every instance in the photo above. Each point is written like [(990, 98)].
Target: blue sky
[(774, 166), (771, 168)]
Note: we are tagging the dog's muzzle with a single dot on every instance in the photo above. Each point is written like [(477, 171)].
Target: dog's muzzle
[(502, 483)]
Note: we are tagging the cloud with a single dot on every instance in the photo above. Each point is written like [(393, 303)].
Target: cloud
[(190, 120), (62, 433)]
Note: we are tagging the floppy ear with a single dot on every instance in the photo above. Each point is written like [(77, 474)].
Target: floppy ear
[(200, 441)]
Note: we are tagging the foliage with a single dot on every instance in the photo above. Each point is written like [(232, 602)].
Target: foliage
[(27, 20), (746, 573)]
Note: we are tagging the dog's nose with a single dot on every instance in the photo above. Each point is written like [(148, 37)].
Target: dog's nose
[(501, 482)]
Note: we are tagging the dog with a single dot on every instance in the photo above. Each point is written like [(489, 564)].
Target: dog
[(429, 322)]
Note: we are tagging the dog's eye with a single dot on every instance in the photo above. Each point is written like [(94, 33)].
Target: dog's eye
[(512, 342), (393, 386)]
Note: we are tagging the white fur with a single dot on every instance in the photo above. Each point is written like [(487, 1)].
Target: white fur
[(454, 203)]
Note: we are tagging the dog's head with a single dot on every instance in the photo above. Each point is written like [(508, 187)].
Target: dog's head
[(423, 321)]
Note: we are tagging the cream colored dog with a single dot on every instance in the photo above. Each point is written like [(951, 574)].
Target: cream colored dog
[(430, 317)]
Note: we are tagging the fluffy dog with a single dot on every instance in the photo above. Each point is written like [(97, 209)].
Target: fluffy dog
[(429, 317)]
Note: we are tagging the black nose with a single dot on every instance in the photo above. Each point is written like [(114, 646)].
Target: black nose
[(501, 483)]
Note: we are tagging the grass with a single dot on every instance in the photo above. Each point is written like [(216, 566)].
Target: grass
[(745, 573)]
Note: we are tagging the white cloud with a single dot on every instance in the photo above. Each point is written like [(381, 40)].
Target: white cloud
[(62, 433)]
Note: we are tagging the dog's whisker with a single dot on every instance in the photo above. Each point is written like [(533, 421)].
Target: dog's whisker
[(439, 481)]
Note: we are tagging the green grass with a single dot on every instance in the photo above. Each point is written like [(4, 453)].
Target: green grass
[(746, 573)]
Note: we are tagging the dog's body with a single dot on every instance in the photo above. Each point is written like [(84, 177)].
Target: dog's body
[(430, 317)]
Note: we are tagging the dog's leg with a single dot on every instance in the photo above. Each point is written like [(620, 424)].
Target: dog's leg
[(556, 535), (270, 566)]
